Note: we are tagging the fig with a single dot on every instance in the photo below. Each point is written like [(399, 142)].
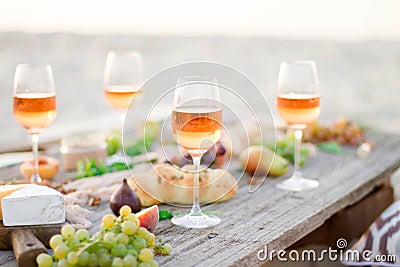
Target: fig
[(124, 195)]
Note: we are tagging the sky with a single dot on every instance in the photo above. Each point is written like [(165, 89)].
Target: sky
[(343, 20)]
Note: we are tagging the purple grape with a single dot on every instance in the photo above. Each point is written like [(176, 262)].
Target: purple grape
[(220, 149)]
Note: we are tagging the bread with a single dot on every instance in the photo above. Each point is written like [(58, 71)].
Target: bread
[(166, 183)]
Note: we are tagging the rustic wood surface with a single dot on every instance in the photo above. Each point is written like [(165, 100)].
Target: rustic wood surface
[(271, 217), (42, 232), (26, 247)]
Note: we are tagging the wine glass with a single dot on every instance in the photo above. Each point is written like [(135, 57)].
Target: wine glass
[(34, 104), (196, 126), (298, 104), (123, 76)]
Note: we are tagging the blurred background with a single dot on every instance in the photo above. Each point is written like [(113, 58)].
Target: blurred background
[(356, 44)]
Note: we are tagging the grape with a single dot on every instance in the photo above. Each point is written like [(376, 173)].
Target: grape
[(56, 240), (129, 261), (123, 238), (166, 249), (73, 242), (119, 250), (150, 239), (73, 257), (44, 260), (220, 149), (97, 236), (209, 157), (84, 258), (110, 238), (116, 229), (82, 234), (63, 263), (105, 260), (93, 262), (102, 251), (129, 227), (125, 210), (146, 255), (127, 245), (108, 220), (139, 243), (61, 251), (142, 232), (133, 252), (117, 262), (133, 218), (68, 231)]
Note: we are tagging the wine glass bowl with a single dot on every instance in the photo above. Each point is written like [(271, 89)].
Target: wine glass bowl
[(196, 123), (123, 76), (34, 103), (298, 103)]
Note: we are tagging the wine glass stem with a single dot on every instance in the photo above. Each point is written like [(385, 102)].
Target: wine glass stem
[(196, 211), (35, 147), (122, 120), (298, 134)]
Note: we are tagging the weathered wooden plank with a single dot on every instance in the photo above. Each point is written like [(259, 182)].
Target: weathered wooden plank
[(273, 217), (298, 213)]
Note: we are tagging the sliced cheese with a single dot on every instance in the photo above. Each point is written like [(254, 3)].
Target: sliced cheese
[(6, 190), (33, 205)]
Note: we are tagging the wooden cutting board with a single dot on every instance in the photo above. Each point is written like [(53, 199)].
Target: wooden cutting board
[(27, 241)]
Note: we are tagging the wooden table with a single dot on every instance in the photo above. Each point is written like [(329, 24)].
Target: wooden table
[(271, 217)]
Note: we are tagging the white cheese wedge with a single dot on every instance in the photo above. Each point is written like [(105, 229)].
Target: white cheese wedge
[(33, 205), (6, 190)]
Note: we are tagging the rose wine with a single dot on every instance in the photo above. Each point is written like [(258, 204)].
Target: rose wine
[(120, 96), (35, 111), (298, 109), (195, 128)]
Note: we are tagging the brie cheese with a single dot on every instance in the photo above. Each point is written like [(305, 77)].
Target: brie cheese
[(33, 205)]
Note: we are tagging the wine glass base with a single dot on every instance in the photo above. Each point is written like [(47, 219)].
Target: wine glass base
[(196, 221), (297, 184), (35, 178)]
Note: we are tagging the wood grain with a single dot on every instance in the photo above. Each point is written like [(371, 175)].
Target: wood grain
[(271, 217), (42, 232), (26, 247)]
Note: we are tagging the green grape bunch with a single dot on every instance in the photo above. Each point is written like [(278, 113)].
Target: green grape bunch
[(121, 242)]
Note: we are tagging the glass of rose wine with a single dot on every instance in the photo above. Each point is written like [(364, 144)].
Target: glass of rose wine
[(196, 126), (34, 104), (123, 76), (298, 104)]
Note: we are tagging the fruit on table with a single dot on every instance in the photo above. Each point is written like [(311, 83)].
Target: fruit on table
[(260, 161), (214, 157), (120, 242), (343, 131), (124, 195), (48, 167), (149, 218)]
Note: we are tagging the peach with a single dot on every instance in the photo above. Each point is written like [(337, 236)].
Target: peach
[(148, 218), (48, 167)]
